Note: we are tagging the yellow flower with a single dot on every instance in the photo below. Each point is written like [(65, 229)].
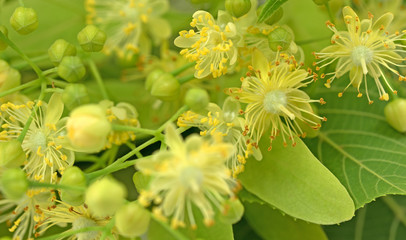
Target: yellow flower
[(129, 23), (274, 100), (45, 141), (213, 47), (190, 173), (226, 123), (366, 48)]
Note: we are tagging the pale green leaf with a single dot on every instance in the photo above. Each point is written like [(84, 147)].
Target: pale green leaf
[(272, 225), (269, 8), (360, 148), (294, 181)]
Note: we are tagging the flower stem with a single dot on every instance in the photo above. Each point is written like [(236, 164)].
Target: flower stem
[(397, 210), (181, 69), (33, 83), (21, 65), (97, 77), (34, 184), (185, 79), (117, 127), (173, 118), (330, 13)]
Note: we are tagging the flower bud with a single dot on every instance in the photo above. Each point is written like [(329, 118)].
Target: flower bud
[(9, 77), (3, 45), (75, 95), (232, 211), (24, 20), (132, 220), (91, 38), (59, 49), (71, 69), (105, 196), (166, 87), (321, 2), (73, 176), (85, 222), (14, 183), (279, 37), (11, 154), (153, 77), (238, 8), (395, 113), (197, 99), (87, 128), (231, 109)]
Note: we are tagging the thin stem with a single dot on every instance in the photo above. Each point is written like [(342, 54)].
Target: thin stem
[(119, 164), (34, 184), (397, 210), (97, 77), (54, 90), (118, 127), (49, 71), (173, 118), (72, 232), (58, 83), (21, 65), (33, 83), (330, 14), (185, 79), (182, 69)]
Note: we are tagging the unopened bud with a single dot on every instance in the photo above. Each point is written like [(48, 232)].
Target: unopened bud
[(105, 196), (166, 87), (14, 183), (197, 99), (87, 128), (280, 39), (91, 38), (71, 69), (75, 177), (9, 77), (11, 154), (59, 49), (232, 211), (153, 77), (24, 20), (75, 95), (132, 220), (3, 45), (231, 109), (395, 113), (238, 8)]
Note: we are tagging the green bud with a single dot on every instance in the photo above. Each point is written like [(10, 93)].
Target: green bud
[(166, 87), (279, 37), (275, 17), (238, 8), (73, 176), (153, 77), (132, 220), (9, 77), (231, 109), (24, 20), (233, 211), (88, 128), (3, 45), (395, 113), (321, 2), (85, 222), (75, 95), (105, 196), (197, 99), (91, 38), (11, 154), (71, 69), (14, 183), (59, 49)]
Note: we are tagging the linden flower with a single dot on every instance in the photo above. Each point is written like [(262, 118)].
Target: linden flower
[(129, 23), (123, 114), (274, 100), (226, 123), (78, 216), (213, 47), (191, 173), (23, 216), (44, 143), (364, 49)]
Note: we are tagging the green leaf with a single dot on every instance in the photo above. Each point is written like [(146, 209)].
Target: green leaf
[(360, 148), (380, 220), (269, 8), (293, 180), (272, 225)]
